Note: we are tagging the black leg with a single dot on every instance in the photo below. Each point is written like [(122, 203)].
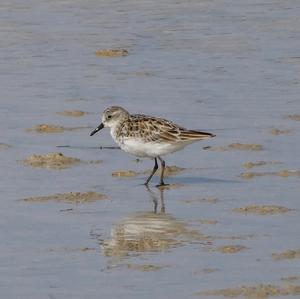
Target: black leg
[(163, 166), (153, 171)]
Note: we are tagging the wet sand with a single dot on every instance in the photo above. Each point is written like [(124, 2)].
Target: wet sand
[(111, 53), (255, 292), (77, 221), (72, 113), (70, 197), (56, 161), (237, 146), (49, 128)]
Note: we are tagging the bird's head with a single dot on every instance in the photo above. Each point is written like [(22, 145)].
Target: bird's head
[(111, 117)]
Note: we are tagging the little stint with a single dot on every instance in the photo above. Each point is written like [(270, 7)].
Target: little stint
[(147, 136)]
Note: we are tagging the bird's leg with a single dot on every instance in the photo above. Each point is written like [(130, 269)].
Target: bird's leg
[(163, 166), (153, 171)]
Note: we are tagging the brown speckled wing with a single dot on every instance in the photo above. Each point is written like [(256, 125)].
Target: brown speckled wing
[(159, 130)]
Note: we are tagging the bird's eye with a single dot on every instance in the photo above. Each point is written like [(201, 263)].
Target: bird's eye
[(109, 116)]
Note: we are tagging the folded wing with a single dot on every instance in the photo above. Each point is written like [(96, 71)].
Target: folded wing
[(161, 130)]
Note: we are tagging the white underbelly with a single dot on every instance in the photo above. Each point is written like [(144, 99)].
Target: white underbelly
[(150, 149)]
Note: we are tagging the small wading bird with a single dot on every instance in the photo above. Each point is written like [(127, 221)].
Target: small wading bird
[(147, 136)]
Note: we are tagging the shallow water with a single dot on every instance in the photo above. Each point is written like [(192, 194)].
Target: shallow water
[(231, 68)]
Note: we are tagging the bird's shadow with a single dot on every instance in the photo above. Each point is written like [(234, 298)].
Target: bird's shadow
[(196, 180), (199, 180)]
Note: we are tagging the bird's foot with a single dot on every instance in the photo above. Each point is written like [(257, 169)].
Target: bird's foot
[(162, 185)]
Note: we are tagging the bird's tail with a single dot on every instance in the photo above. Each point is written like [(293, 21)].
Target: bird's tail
[(195, 135)]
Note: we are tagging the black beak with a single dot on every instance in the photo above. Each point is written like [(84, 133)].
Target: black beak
[(101, 126)]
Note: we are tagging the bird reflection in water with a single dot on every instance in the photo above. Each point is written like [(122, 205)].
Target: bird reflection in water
[(155, 200), (148, 232)]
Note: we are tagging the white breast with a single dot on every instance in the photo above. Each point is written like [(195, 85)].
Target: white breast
[(137, 146), (150, 149)]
